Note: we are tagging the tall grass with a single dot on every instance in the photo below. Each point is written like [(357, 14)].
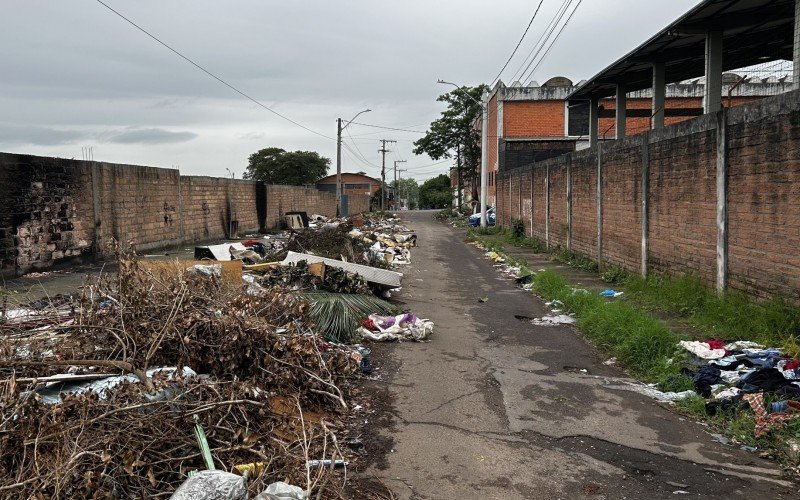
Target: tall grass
[(731, 316), (640, 342)]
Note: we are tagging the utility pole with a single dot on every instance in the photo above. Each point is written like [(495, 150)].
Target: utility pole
[(338, 167), (339, 129), (383, 151), (399, 178), (396, 185)]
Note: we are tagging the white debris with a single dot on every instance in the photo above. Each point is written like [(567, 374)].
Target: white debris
[(552, 320)]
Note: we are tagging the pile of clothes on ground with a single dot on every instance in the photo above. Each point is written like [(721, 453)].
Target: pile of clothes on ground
[(743, 373), (406, 326)]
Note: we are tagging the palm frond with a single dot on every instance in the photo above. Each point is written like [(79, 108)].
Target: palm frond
[(340, 314)]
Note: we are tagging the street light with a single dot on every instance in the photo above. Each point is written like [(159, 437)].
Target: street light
[(484, 151), (339, 129)]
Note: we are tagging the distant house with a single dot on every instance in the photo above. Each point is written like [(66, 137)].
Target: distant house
[(352, 183)]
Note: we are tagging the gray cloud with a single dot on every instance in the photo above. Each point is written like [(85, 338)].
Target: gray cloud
[(39, 136), (150, 136), (76, 72)]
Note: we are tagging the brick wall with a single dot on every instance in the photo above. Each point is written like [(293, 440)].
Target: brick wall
[(763, 198), (53, 209), (533, 119)]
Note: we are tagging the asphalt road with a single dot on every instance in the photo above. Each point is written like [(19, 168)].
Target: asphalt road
[(494, 407)]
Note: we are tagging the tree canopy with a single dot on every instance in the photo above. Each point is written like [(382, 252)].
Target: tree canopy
[(452, 135), (436, 193), (278, 166)]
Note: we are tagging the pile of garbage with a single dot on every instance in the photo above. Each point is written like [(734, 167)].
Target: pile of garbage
[(107, 394), (745, 374)]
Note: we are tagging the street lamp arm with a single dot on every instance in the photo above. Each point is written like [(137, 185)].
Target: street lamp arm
[(353, 118), (462, 91)]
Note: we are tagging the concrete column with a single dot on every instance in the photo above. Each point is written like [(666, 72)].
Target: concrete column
[(645, 201), (796, 58), (594, 120), (97, 208), (510, 186), (519, 195), (484, 161), (181, 213), (569, 204), (531, 201), (713, 95), (722, 202), (599, 196), (659, 94), (547, 204), (621, 120)]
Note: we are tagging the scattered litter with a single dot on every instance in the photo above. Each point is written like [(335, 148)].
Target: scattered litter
[(212, 485), (282, 491), (390, 328), (610, 362), (326, 463), (561, 319), (611, 293), (720, 438), (651, 392), (483, 300)]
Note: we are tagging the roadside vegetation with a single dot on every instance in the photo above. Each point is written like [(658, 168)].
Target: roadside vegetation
[(642, 328)]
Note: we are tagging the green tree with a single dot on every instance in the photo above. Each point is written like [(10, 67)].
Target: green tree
[(436, 193), (453, 136), (278, 166), (407, 189)]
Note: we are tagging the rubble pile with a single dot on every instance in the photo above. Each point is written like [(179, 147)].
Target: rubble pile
[(248, 369)]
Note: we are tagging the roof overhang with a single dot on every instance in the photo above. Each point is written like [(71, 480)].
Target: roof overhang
[(754, 31)]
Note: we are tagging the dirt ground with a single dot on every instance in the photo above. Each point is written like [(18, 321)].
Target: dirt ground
[(494, 407)]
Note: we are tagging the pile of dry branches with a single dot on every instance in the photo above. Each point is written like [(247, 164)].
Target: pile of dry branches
[(272, 391)]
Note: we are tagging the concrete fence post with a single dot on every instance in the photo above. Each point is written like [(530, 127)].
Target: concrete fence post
[(547, 204), (531, 201), (97, 209), (181, 212), (722, 201), (645, 201), (510, 199), (599, 196), (519, 195), (569, 203)]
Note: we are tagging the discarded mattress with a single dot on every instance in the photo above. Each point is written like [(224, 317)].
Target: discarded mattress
[(390, 279)]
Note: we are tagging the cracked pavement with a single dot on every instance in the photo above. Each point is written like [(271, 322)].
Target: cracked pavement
[(494, 407)]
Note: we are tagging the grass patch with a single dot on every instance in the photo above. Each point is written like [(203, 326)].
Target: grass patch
[(640, 342), (574, 259), (731, 316)]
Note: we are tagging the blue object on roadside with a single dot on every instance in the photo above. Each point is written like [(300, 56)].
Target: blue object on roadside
[(475, 219), (608, 292)]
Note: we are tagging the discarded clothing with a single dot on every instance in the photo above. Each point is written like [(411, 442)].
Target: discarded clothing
[(765, 379), (704, 378), (728, 393), (551, 320), (403, 326), (743, 344), (702, 349), (764, 420), (715, 343)]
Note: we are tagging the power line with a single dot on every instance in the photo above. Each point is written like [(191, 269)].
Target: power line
[(545, 34), (518, 44), (389, 128), (209, 73), (546, 38), (533, 71), (359, 150)]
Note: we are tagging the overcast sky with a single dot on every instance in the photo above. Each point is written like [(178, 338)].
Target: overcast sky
[(74, 74)]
